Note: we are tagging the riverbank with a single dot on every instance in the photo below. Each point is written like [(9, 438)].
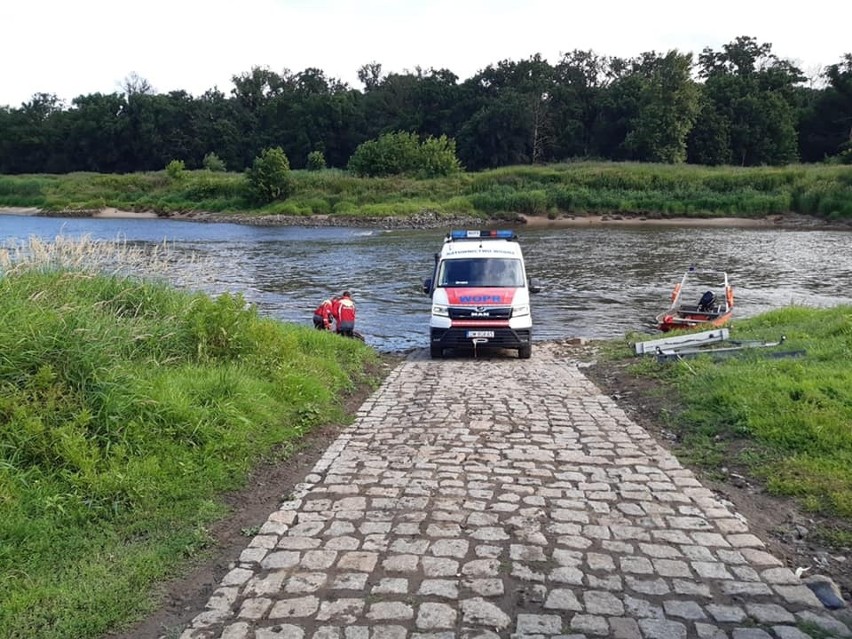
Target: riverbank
[(770, 435), (117, 447), (429, 220), (561, 193)]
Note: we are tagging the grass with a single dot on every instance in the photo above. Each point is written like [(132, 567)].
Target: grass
[(785, 420), (577, 188), (126, 407)]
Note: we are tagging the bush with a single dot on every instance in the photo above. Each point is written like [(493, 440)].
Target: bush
[(316, 161), (402, 153), (175, 169), (438, 157), (845, 155), (213, 162), (269, 176), (390, 154)]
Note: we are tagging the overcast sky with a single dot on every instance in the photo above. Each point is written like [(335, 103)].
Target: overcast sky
[(71, 48)]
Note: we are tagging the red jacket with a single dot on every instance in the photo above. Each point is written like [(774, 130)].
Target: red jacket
[(324, 310), (345, 310)]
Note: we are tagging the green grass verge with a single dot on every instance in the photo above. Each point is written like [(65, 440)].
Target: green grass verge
[(787, 420), (126, 407), (578, 188)]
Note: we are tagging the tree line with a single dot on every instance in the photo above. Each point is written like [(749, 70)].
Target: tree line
[(740, 105)]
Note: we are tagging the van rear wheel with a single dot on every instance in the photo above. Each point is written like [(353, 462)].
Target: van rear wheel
[(436, 352), (525, 352)]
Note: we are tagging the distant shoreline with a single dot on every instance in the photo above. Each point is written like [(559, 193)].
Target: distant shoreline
[(779, 221)]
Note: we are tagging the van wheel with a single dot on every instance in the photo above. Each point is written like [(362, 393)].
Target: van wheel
[(525, 352), (436, 352)]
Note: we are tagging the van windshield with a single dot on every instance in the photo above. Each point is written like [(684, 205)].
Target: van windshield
[(484, 272)]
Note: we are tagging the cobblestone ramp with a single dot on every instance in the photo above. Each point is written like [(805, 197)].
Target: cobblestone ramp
[(504, 498)]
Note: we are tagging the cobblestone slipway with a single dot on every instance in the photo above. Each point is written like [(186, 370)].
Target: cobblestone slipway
[(481, 498)]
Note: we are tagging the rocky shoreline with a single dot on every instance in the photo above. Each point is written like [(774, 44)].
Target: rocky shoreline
[(422, 220), (428, 219)]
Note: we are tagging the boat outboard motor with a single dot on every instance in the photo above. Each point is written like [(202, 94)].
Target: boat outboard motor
[(707, 301)]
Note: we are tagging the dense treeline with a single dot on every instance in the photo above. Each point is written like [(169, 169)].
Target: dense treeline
[(740, 105)]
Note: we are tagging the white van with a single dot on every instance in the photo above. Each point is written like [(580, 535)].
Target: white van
[(480, 294)]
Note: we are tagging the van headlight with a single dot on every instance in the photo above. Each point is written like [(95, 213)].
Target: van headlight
[(520, 311), (438, 309)]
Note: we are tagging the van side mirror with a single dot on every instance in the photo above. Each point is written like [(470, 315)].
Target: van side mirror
[(535, 286), (427, 285)]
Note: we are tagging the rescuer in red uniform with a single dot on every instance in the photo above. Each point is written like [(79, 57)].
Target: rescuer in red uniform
[(345, 316), (324, 315)]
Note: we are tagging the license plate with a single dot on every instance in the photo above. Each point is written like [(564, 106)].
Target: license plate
[(474, 334)]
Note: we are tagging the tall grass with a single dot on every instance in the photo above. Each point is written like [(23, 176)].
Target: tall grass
[(577, 188), (787, 420), (126, 407)]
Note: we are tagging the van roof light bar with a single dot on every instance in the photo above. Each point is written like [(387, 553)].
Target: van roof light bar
[(472, 234)]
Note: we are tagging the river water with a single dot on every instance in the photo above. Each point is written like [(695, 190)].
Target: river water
[(599, 282)]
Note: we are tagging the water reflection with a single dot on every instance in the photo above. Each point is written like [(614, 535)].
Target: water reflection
[(598, 282)]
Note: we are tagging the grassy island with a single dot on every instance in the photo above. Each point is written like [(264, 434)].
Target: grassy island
[(582, 188)]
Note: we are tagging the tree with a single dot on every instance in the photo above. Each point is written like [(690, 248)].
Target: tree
[(579, 79), (217, 123), (751, 94), (619, 105), (709, 142), (370, 75), (499, 134), (316, 161), (39, 140), (175, 170), (826, 125), (512, 120), (95, 133), (269, 176), (669, 105), (134, 84), (742, 57), (213, 163)]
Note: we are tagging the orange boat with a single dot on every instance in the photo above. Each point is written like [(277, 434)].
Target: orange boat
[(708, 309)]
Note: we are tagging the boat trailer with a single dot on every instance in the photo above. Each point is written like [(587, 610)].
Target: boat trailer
[(695, 345)]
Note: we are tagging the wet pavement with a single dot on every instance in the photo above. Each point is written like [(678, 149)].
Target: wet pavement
[(496, 497)]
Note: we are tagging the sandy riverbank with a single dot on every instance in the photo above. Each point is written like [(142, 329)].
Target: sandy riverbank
[(111, 213), (107, 212)]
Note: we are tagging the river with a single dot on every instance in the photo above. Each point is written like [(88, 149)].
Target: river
[(599, 282)]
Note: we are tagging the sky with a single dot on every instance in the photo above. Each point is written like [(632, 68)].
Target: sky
[(78, 47)]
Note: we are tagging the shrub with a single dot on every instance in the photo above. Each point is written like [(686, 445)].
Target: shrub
[(402, 153), (213, 162), (437, 157), (845, 155), (316, 161), (390, 154), (269, 176), (175, 169)]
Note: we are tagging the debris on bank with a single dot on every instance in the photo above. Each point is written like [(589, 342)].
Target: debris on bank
[(716, 344)]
